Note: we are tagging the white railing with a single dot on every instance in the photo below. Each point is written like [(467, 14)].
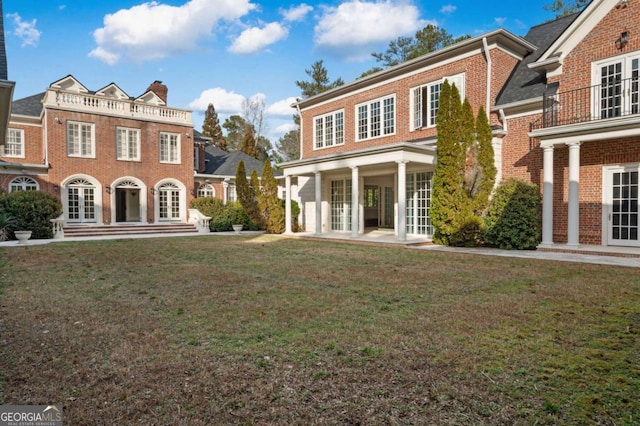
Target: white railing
[(124, 108), (58, 227), (199, 220)]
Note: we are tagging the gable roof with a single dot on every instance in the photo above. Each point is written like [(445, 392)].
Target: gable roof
[(223, 163), (524, 82), (30, 106)]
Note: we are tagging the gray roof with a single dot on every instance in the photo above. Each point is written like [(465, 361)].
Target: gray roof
[(525, 83), (30, 106), (223, 163)]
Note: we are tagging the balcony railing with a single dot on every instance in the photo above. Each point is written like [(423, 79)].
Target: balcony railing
[(618, 98), (123, 108)]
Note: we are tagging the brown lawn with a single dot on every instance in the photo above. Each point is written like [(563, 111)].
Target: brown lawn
[(269, 330)]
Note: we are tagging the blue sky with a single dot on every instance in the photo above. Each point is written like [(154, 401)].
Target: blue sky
[(224, 51)]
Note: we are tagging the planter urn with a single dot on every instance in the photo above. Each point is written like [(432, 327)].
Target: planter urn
[(22, 236)]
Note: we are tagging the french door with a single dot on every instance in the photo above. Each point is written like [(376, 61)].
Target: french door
[(81, 207), (622, 218), (169, 202), (617, 85)]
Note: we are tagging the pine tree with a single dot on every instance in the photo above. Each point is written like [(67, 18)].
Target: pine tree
[(211, 128), (248, 144)]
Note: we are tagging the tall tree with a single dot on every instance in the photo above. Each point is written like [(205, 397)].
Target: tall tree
[(319, 81), (211, 128), (248, 144), (247, 195), (484, 168), (566, 7), (427, 40), (289, 145), (236, 127), (264, 149), (253, 112), (270, 205)]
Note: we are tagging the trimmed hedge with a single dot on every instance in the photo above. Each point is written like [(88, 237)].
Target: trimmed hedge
[(222, 216), (32, 211), (513, 220)]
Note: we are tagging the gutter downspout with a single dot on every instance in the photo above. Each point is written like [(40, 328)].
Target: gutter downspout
[(503, 118), (489, 69), (300, 131)]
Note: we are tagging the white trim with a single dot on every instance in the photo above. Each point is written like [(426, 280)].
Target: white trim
[(143, 197), (21, 144), (607, 207), (23, 182), (80, 124), (453, 79), (168, 141), (97, 195), (381, 100), (334, 133), (182, 200), (126, 147)]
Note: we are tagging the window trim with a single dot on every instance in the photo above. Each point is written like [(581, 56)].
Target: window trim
[(337, 131), (20, 144), (413, 104), (206, 190), (380, 122), (168, 141), (92, 132), (126, 149)]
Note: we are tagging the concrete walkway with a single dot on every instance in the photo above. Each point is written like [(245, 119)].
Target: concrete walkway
[(581, 255)]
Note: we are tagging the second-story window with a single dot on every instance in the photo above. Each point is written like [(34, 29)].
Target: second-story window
[(14, 145), (425, 101), (80, 139), (128, 144), (169, 148), (328, 130), (376, 118)]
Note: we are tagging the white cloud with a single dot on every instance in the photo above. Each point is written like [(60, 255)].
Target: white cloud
[(296, 13), (223, 101), (25, 31), (283, 129), (154, 31), (448, 9), (355, 28), (282, 108), (500, 21), (255, 39)]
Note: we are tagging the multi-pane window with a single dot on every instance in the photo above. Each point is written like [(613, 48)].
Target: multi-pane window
[(128, 144), (376, 118), (14, 145), (425, 100), (169, 148), (329, 130), (206, 190), (616, 90), (23, 183), (80, 139)]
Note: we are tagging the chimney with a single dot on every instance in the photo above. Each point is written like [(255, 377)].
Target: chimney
[(159, 89)]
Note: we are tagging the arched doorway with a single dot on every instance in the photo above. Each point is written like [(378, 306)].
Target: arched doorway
[(169, 201), (128, 201)]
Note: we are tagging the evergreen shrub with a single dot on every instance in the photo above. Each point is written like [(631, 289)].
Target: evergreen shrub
[(31, 211), (513, 221)]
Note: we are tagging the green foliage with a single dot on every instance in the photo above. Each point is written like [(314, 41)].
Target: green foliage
[(248, 144), (564, 8), (319, 81), (513, 220), (427, 40), (236, 127), (222, 215), (211, 128), (32, 211), (465, 171), (247, 196), (7, 224), (289, 145), (270, 205)]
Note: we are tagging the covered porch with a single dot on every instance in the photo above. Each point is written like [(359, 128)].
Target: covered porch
[(385, 189)]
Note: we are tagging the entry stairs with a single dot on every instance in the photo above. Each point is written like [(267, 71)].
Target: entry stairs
[(128, 230)]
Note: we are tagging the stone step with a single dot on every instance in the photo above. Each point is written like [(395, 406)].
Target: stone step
[(71, 231)]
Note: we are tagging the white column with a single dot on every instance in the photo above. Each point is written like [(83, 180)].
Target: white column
[(318, 203), (573, 228), (402, 200), (287, 205), (355, 202), (547, 196), (225, 190)]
